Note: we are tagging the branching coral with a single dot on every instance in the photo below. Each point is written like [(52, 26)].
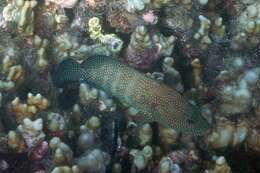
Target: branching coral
[(111, 41), (120, 18), (168, 136), (145, 48), (145, 134), (247, 26), (236, 92), (227, 134), (166, 165), (88, 95), (31, 131), (202, 33), (93, 124), (21, 12), (179, 19), (66, 169), (93, 161), (142, 157), (221, 166), (141, 33), (65, 45), (15, 74), (62, 152), (68, 45), (63, 3), (15, 142), (196, 73), (41, 45), (33, 105), (159, 3), (172, 74), (56, 124)]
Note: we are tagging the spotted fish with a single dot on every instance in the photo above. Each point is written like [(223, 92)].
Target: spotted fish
[(154, 100)]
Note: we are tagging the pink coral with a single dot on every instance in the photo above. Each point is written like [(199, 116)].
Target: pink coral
[(150, 17), (144, 59), (39, 151)]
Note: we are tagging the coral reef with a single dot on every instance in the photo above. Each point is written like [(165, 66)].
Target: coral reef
[(141, 158), (21, 13), (132, 65), (111, 41), (62, 153), (246, 26), (34, 104), (31, 131), (65, 169), (14, 74), (220, 166), (227, 134), (145, 49)]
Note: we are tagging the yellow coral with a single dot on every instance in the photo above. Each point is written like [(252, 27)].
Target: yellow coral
[(196, 72), (145, 134), (221, 166), (113, 43), (21, 12), (15, 142), (34, 104), (15, 74), (66, 169), (26, 21), (168, 136), (62, 153), (93, 123), (41, 45), (94, 28)]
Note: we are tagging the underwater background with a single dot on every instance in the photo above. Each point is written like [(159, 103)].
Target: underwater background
[(129, 86)]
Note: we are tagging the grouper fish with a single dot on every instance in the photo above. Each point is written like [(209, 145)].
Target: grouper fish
[(154, 100)]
